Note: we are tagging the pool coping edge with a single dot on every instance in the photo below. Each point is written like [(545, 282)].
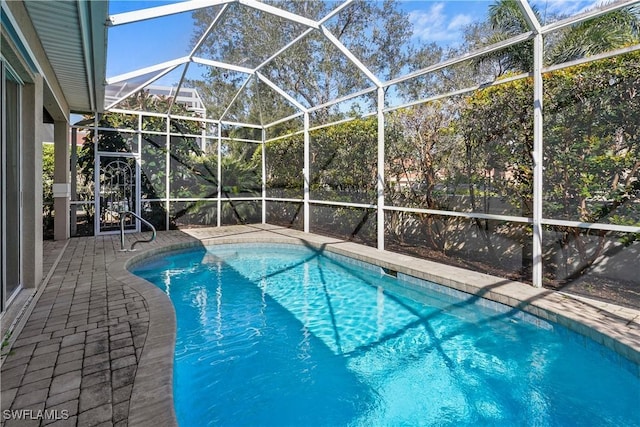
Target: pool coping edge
[(151, 402)]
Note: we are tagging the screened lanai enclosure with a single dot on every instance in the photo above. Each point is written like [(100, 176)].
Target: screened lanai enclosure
[(502, 137)]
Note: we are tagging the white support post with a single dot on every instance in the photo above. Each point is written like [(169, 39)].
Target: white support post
[(306, 171), (73, 224), (264, 176), (31, 184), (167, 182), (96, 177), (537, 160), (61, 181), (138, 159), (219, 172), (380, 184)]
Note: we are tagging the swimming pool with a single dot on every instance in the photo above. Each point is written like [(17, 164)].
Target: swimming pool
[(288, 335)]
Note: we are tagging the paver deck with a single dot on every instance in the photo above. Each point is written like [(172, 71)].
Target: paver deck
[(97, 345), (77, 354)]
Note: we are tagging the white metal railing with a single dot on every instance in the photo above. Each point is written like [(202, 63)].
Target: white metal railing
[(123, 216)]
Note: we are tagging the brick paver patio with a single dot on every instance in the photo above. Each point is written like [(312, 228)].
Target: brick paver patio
[(79, 349), (97, 346)]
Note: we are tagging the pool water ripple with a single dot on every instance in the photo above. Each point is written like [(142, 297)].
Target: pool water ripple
[(282, 335)]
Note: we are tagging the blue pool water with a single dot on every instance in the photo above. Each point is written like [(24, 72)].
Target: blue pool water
[(282, 335)]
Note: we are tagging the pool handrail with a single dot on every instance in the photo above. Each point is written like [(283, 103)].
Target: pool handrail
[(123, 216)]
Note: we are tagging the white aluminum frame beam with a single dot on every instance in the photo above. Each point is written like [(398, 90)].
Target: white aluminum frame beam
[(538, 159), (283, 49), (338, 122), (238, 124), (233, 100), (346, 52), (211, 27), (160, 11), (303, 35), (284, 94), (284, 119), (343, 99), (587, 15), (592, 225), (283, 199), (141, 86), (222, 65), (197, 46), (289, 135), (272, 10), (178, 87), (458, 92), (167, 178), (467, 56), (147, 70), (337, 10), (343, 204), (459, 214), (592, 58), (530, 16)]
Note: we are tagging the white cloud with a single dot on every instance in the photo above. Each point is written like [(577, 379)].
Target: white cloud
[(566, 7), (459, 22), (435, 25)]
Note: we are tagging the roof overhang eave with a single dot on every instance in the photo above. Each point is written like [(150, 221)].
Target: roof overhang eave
[(99, 12), (75, 48)]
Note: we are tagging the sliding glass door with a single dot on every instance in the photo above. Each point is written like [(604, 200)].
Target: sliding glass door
[(10, 186)]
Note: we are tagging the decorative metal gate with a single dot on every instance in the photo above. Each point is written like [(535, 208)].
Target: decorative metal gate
[(117, 193)]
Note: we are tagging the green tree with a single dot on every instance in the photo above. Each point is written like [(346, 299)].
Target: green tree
[(312, 70), (109, 139), (343, 168), (507, 20), (419, 144), (601, 34), (422, 151), (498, 122), (592, 153), (591, 147), (48, 162), (343, 161), (240, 178), (613, 30), (184, 154), (284, 164)]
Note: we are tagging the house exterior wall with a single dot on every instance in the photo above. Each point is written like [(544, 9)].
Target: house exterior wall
[(22, 53)]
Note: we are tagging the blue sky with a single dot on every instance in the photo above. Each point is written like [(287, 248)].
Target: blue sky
[(152, 42), (443, 21)]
